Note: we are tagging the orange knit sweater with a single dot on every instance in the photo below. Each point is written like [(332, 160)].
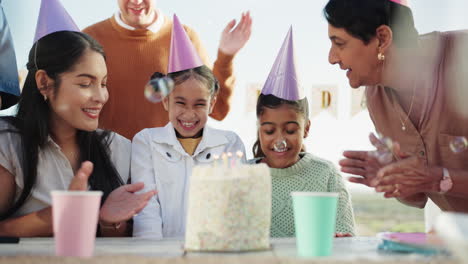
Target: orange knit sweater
[(132, 57)]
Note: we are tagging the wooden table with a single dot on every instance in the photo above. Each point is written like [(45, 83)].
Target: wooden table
[(359, 250)]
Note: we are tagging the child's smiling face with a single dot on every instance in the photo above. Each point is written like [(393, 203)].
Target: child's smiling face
[(278, 124), (189, 105)]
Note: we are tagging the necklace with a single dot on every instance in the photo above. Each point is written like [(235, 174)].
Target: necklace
[(403, 121)]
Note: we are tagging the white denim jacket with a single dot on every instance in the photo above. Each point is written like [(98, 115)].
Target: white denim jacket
[(160, 162)]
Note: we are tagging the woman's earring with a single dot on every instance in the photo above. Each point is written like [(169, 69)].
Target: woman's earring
[(380, 56), (44, 95)]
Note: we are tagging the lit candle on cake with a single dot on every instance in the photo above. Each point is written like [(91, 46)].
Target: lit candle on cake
[(225, 159), (239, 155), (216, 160), (230, 160)]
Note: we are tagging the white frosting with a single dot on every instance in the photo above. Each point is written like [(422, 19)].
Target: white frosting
[(229, 208)]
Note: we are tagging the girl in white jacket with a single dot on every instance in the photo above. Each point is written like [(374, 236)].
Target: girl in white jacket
[(163, 157)]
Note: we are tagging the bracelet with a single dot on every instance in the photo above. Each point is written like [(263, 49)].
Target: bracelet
[(114, 226), (446, 183)]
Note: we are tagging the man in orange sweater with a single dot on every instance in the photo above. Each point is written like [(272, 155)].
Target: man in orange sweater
[(136, 41)]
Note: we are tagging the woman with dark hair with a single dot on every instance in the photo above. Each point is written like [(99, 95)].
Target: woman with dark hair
[(413, 90), (54, 131)]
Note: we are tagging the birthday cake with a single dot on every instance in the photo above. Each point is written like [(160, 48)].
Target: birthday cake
[(229, 208)]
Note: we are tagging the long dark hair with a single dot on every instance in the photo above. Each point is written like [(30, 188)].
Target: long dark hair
[(273, 102), (361, 18), (57, 53)]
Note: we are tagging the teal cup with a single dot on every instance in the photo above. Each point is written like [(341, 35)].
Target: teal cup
[(314, 220)]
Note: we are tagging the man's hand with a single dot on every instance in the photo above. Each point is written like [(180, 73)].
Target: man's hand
[(234, 38)]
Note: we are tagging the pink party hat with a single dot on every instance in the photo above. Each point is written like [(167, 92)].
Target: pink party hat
[(183, 54), (52, 18), (282, 81), (401, 2)]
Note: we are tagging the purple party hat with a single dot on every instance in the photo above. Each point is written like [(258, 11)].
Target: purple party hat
[(183, 54), (52, 18), (282, 81)]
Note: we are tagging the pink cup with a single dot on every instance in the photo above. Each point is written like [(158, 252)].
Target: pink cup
[(75, 217)]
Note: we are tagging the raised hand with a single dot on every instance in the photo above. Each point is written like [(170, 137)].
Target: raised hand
[(234, 38)]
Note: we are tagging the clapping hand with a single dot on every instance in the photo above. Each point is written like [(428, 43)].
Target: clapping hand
[(366, 164), (123, 203), (407, 177), (80, 180)]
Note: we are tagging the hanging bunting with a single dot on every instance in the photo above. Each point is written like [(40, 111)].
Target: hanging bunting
[(253, 91), (324, 98)]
